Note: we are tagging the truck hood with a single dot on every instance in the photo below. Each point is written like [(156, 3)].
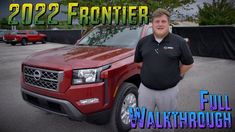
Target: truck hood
[(76, 57)]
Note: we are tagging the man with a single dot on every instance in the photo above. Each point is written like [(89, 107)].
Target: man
[(166, 58)]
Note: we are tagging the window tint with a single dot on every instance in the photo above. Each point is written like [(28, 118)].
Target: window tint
[(33, 32), (21, 32), (1, 32)]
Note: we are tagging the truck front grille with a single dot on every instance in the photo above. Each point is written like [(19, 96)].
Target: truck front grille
[(42, 78)]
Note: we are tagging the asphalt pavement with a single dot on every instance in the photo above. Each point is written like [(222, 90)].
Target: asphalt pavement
[(212, 74)]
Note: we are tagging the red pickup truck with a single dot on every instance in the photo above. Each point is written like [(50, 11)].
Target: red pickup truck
[(95, 80), (23, 37)]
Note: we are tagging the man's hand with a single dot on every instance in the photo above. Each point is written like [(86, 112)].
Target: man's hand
[(184, 69)]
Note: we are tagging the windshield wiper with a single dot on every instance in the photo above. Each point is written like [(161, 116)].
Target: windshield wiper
[(82, 45), (100, 45)]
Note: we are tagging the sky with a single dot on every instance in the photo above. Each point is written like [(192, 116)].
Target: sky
[(194, 7), (4, 5)]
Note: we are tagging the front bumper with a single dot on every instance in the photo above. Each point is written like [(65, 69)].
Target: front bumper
[(11, 41), (53, 105)]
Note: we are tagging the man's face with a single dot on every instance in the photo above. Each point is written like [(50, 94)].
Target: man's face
[(160, 26)]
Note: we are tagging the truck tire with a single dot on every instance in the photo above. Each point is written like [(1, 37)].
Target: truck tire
[(43, 40), (127, 96), (13, 44), (24, 41)]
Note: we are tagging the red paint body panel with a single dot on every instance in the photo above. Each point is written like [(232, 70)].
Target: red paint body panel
[(27, 35), (68, 58)]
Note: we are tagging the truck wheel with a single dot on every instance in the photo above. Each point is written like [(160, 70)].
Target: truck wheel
[(24, 41), (34, 42), (13, 44), (127, 96), (43, 40)]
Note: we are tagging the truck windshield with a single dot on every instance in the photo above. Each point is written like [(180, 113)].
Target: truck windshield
[(11, 32), (1, 32), (120, 36)]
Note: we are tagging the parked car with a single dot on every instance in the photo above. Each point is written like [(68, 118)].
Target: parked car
[(2, 32), (24, 36), (95, 80)]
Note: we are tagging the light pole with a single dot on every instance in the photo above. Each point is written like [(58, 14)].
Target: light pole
[(12, 26)]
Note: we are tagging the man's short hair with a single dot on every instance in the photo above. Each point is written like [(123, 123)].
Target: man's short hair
[(159, 12)]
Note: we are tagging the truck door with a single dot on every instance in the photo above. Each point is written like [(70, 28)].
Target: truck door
[(32, 36)]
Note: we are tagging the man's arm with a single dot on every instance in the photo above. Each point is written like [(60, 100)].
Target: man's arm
[(184, 69), (186, 58), (138, 56)]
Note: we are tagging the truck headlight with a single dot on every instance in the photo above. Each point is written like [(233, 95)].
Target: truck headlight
[(82, 76)]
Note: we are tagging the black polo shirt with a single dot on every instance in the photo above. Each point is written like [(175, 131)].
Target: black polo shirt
[(160, 69)]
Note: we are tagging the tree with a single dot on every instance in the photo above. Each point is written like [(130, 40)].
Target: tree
[(4, 24), (45, 25), (170, 5), (220, 12), (152, 4)]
